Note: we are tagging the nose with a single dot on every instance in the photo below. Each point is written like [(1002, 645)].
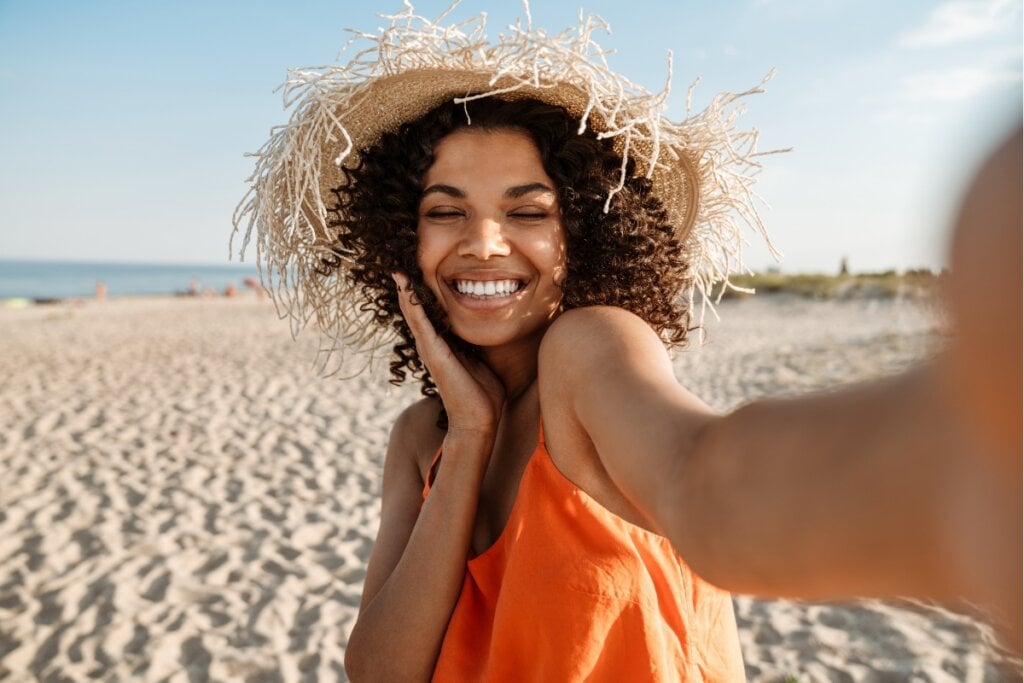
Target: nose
[(483, 238)]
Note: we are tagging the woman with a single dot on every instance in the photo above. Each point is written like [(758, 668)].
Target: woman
[(540, 231), (508, 231)]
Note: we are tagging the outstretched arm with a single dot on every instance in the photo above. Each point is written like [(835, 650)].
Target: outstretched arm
[(901, 486), (782, 497)]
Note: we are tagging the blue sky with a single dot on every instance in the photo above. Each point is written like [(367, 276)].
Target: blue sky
[(123, 124)]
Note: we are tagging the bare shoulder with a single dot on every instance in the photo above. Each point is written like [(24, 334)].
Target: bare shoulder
[(415, 436), (583, 338), (598, 363), (599, 369), (592, 352), (596, 319)]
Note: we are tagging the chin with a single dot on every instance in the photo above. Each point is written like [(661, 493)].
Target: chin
[(495, 335), (483, 339)]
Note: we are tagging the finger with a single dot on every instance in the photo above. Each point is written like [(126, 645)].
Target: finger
[(423, 332), (412, 311)]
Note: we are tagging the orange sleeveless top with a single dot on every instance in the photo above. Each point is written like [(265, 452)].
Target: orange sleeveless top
[(572, 592)]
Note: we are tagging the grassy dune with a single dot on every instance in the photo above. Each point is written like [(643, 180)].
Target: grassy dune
[(914, 284)]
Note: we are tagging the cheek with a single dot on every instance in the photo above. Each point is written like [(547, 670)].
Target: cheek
[(557, 257), (426, 250), (428, 256)]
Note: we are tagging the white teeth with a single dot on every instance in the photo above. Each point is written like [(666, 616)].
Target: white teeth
[(487, 287)]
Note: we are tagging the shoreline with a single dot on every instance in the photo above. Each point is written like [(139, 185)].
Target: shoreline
[(52, 281), (16, 303), (918, 284), (923, 295)]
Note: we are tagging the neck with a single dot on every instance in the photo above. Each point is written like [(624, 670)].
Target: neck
[(515, 366)]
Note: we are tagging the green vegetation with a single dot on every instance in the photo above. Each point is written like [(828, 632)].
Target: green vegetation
[(915, 284)]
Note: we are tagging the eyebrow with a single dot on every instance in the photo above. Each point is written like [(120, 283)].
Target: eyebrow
[(521, 190), (514, 192), (438, 188)]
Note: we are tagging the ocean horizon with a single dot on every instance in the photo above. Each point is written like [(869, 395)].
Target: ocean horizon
[(42, 280)]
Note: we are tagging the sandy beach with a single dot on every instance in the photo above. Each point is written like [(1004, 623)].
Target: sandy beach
[(183, 499)]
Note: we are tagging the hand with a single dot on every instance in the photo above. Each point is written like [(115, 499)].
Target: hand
[(473, 396), (983, 371)]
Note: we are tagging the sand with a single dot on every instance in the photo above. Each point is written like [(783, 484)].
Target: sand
[(182, 499)]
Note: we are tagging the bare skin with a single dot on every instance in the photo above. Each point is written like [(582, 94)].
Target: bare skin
[(898, 487)]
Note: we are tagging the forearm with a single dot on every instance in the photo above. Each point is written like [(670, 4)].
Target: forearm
[(399, 632), (826, 495)]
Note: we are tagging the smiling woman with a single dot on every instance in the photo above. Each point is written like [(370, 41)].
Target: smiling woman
[(509, 203)]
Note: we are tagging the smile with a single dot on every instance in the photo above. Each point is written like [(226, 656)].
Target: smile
[(486, 288)]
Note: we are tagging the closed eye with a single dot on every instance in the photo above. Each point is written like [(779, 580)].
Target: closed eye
[(444, 214), (529, 215)]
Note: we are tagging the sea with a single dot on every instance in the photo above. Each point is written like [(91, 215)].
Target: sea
[(55, 280)]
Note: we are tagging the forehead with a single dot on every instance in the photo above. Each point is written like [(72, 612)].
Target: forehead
[(479, 156)]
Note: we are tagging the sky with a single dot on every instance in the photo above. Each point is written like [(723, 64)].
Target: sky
[(124, 124)]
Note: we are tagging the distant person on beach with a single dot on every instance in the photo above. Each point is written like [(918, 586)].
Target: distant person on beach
[(523, 225), (101, 291), (254, 284)]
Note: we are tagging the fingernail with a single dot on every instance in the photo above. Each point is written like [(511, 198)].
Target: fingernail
[(400, 280)]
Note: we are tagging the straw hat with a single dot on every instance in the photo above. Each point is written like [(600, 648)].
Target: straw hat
[(701, 168)]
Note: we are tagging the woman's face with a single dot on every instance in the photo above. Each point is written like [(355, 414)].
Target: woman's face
[(491, 243)]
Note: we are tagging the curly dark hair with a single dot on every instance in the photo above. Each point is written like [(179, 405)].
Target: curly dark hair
[(628, 257)]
